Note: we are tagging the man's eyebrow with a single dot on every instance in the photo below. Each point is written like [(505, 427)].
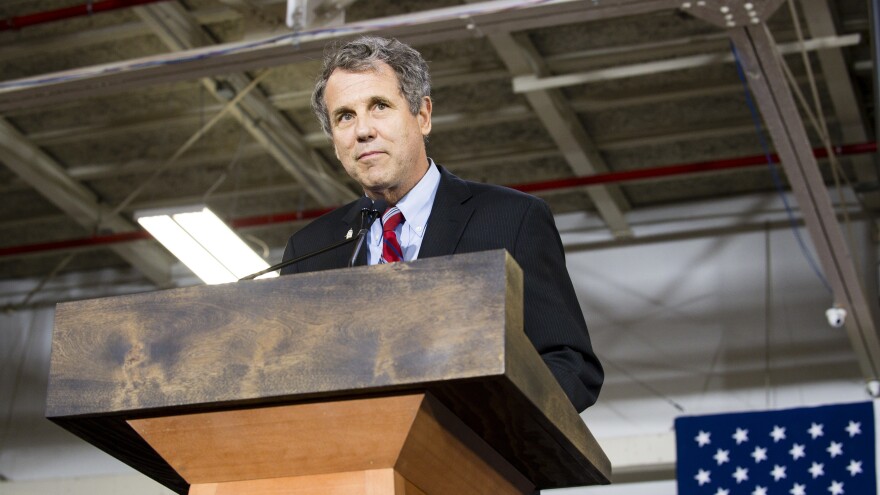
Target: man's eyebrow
[(379, 99), (340, 111)]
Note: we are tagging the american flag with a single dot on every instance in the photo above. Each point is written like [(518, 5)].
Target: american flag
[(827, 450)]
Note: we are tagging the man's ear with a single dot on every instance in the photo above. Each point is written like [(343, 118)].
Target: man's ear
[(424, 116)]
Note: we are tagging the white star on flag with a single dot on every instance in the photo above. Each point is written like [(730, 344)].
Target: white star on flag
[(741, 474), (797, 451), (759, 454), (817, 470), (702, 477), (854, 429), (778, 472), (722, 491), (702, 438), (759, 490), (855, 467), (722, 456), (741, 436), (815, 431), (836, 488), (798, 489), (835, 449), (778, 433)]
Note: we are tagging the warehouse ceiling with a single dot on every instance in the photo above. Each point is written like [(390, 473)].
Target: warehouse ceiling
[(178, 102), (610, 110)]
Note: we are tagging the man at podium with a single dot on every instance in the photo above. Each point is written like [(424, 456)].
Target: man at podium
[(373, 99)]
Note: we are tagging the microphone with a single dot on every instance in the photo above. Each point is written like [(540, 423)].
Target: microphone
[(369, 212), (368, 216)]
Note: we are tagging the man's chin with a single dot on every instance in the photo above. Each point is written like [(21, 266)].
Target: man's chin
[(376, 192)]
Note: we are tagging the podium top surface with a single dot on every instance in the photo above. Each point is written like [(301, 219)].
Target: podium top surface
[(449, 325)]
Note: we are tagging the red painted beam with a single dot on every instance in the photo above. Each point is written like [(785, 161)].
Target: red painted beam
[(98, 240), (609, 178), (85, 9), (688, 168)]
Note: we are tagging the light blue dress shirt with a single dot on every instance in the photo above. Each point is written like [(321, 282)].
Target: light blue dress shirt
[(416, 208)]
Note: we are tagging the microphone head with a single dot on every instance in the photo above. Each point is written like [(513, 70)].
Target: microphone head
[(364, 203), (380, 205)]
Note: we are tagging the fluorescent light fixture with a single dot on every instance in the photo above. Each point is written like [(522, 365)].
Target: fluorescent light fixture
[(206, 245)]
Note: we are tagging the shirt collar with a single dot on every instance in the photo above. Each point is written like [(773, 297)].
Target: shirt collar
[(416, 204)]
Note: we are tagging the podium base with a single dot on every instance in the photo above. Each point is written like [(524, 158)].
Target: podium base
[(371, 482), (405, 444)]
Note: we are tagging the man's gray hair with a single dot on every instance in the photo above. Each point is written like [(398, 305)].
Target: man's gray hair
[(365, 54)]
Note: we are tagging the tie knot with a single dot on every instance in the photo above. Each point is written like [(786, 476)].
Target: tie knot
[(391, 219)]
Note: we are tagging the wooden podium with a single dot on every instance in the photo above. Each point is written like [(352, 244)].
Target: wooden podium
[(300, 385)]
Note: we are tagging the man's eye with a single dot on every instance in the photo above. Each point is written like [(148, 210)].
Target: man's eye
[(381, 106), (345, 116)]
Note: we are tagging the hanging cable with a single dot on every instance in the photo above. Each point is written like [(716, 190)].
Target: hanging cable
[(836, 168), (189, 143), (644, 384), (229, 168), (820, 123), (60, 266), (774, 173)]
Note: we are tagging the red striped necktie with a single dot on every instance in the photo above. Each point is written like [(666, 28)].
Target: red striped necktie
[(391, 251)]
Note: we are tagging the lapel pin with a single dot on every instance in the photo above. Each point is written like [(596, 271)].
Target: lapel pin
[(349, 233)]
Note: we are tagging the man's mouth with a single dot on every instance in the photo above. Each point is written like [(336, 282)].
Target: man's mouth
[(368, 154)]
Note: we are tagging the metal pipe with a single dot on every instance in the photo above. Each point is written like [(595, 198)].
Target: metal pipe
[(18, 22), (607, 178)]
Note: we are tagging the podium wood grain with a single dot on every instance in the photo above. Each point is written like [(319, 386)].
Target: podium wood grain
[(457, 333), (374, 482), (412, 434)]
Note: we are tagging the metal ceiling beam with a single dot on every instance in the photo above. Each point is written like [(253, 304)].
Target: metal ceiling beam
[(179, 31), (433, 26), (844, 99), (562, 123), (17, 45), (762, 65), (663, 96), (59, 14), (49, 179), (525, 83)]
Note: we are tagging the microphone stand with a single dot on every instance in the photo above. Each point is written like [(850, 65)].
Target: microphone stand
[(368, 216), (297, 259)]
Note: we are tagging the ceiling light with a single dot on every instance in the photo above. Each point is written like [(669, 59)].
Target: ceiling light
[(202, 242)]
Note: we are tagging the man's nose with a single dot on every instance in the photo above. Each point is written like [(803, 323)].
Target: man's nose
[(365, 129)]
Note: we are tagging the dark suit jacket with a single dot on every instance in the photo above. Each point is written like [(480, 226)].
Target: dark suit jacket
[(467, 217)]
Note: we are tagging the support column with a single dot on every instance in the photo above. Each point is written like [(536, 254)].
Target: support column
[(756, 50)]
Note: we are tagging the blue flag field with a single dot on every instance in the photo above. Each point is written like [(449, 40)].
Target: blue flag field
[(826, 450)]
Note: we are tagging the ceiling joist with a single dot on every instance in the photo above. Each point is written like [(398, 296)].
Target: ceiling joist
[(174, 26), (49, 179)]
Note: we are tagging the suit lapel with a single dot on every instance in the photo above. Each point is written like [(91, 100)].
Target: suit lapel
[(350, 223), (449, 216)]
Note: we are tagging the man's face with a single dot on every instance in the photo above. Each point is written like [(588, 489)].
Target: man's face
[(379, 142)]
